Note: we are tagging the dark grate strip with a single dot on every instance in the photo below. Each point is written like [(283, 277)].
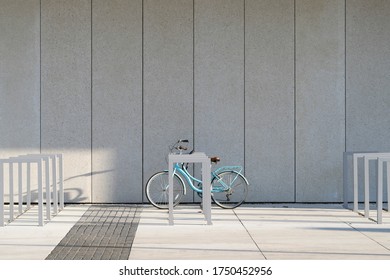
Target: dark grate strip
[(104, 232)]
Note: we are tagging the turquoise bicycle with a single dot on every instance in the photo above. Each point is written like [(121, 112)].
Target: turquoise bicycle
[(229, 187)]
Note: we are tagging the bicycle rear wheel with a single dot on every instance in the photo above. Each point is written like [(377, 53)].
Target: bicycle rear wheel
[(157, 190), (229, 190)]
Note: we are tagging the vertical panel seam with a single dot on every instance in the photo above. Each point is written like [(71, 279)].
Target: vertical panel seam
[(193, 74), (193, 83), (295, 105), (40, 76), (244, 77), (345, 75), (142, 102), (91, 104)]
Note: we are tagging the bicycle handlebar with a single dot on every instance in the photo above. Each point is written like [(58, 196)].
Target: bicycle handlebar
[(182, 148)]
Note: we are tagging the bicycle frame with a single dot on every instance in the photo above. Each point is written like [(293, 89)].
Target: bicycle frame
[(179, 168)]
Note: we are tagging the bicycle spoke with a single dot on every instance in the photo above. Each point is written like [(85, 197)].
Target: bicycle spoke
[(230, 190), (157, 190)]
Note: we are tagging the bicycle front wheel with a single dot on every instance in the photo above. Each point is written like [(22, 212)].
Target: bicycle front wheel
[(157, 190), (229, 190)]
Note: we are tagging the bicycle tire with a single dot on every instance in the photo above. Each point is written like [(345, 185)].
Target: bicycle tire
[(236, 193), (157, 190)]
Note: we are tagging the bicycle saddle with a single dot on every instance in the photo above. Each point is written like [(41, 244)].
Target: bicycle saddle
[(215, 159)]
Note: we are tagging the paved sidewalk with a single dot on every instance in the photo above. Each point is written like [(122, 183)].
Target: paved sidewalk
[(273, 232), (104, 232), (23, 239)]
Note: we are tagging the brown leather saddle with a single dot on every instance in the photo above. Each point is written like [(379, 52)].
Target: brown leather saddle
[(215, 159)]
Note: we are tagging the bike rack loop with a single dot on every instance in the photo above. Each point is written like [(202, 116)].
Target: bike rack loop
[(50, 163)]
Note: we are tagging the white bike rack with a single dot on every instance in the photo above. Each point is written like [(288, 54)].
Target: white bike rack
[(206, 179), (380, 158), (381, 161), (53, 171)]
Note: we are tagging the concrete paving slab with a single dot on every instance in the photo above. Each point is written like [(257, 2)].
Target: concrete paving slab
[(274, 232), (320, 232), (23, 239), (190, 237)]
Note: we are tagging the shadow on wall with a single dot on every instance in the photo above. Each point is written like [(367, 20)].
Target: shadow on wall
[(89, 174), (76, 194), (72, 194)]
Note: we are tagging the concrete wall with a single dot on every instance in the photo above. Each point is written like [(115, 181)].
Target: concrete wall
[(66, 90), (219, 79), (368, 78), (116, 100), (168, 79), (269, 99), (282, 87), (19, 77), (19, 80), (320, 99)]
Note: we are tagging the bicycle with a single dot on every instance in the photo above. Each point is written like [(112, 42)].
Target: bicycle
[(229, 187)]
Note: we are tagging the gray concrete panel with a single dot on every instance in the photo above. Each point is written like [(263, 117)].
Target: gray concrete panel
[(368, 82), (19, 77), (66, 91), (320, 99), (219, 79), (117, 101), (269, 99), (168, 79)]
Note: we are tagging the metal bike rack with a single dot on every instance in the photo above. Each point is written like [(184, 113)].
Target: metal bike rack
[(367, 157), (206, 179), (50, 163), (381, 161)]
